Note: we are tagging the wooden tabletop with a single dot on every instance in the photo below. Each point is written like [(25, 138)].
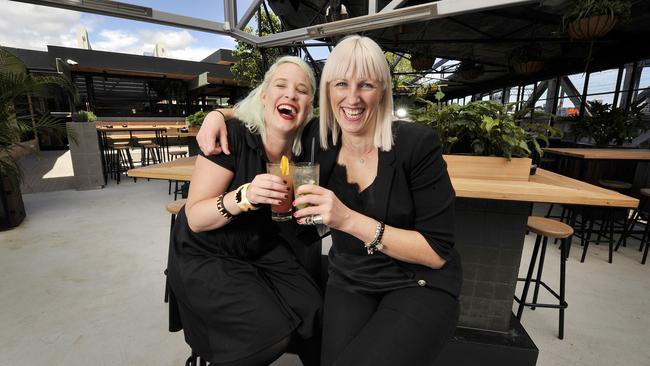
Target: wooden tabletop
[(601, 154), (179, 169), (544, 186)]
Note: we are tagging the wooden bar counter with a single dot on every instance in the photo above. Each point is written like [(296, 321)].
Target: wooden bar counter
[(472, 177)]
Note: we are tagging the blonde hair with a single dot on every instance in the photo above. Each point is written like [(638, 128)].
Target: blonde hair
[(251, 109), (362, 57)]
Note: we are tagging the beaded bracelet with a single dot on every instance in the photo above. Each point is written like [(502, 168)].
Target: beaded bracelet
[(222, 209), (375, 244)]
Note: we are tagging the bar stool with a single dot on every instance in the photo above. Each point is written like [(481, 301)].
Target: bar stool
[(121, 160), (607, 219), (639, 213), (546, 228)]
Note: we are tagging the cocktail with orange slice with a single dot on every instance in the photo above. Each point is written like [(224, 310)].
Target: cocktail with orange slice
[(282, 212)]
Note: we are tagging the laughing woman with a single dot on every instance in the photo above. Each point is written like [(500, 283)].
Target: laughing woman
[(242, 294)]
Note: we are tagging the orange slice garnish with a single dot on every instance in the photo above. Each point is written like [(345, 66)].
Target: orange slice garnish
[(284, 165)]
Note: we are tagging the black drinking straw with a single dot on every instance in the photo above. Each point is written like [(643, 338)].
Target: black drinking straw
[(313, 142)]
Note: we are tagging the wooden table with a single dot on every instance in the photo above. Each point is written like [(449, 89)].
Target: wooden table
[(591, 165), (543, 187), (179, 169), (601, 154)]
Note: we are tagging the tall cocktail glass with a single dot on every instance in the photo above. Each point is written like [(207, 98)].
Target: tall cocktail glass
[(305, 173), (281, 212)]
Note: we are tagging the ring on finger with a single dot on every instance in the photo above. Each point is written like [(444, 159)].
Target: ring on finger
[(316, 219)]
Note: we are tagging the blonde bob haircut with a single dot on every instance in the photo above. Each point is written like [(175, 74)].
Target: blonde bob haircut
[(251, 109), (361, 57)]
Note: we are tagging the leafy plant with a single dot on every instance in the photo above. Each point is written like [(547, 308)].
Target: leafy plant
[(84, 116), (15, 83), (196, 119), (250, 67), (586, 8), (482, 128), (607, 123)]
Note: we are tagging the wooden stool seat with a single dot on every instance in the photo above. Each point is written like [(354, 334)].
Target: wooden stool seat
[(645, 192), (178, 153), (151, 146), (548, 227), (614, 184), (175, 206), (115, 144)]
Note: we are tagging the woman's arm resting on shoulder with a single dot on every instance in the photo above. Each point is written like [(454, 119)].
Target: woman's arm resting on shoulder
[(213, 127), (405, 245)]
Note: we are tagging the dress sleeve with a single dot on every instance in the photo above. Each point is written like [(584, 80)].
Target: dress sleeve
[(432, 192), (236, 136)]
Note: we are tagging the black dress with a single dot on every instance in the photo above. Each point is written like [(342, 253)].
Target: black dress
[(239, 288)]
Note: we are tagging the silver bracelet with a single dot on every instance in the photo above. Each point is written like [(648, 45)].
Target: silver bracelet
[(375, 244)]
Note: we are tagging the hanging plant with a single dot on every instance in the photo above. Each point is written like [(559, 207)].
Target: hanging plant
[(590, 19), (468, 70), (422, 62), (527, 60)]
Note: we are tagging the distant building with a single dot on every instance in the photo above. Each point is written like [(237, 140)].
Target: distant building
[(123, 85)]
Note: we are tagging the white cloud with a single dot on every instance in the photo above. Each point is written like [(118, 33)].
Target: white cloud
[(114, 40), (34, 27)]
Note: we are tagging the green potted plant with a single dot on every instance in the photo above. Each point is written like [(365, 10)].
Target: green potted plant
[(589, 19), (485, 128), (196, 119), (606, 125), (16, 83)]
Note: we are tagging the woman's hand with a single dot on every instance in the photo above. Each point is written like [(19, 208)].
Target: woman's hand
[(322, 202), (267, 189), (213, 127)]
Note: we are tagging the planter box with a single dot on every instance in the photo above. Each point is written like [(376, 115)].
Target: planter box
[(12, 210), (86, 155)]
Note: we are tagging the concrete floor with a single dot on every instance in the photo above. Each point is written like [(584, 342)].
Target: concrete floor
[(81, 283)]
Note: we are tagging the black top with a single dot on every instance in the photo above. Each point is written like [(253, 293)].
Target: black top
[(412, 191), (353, 268)]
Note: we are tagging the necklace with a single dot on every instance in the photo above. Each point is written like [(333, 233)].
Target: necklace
[(362, 158)]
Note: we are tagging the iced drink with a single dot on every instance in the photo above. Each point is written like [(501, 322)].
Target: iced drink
[(305, 173), (282, 212)]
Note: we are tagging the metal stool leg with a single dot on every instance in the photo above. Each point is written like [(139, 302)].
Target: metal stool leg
[(540, 269), (531, 267)]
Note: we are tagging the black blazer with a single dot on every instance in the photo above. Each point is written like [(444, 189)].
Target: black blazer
[(415, 192)]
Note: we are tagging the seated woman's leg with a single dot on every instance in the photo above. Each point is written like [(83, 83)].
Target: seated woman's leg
[(410, 327), (345, 315)]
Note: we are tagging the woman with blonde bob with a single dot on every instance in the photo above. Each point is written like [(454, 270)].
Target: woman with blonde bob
[(394, 276), (241, 293)]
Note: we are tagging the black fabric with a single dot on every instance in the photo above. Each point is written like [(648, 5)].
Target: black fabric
[(412, 191), (355, 270), (403, 327), (240, 288)]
